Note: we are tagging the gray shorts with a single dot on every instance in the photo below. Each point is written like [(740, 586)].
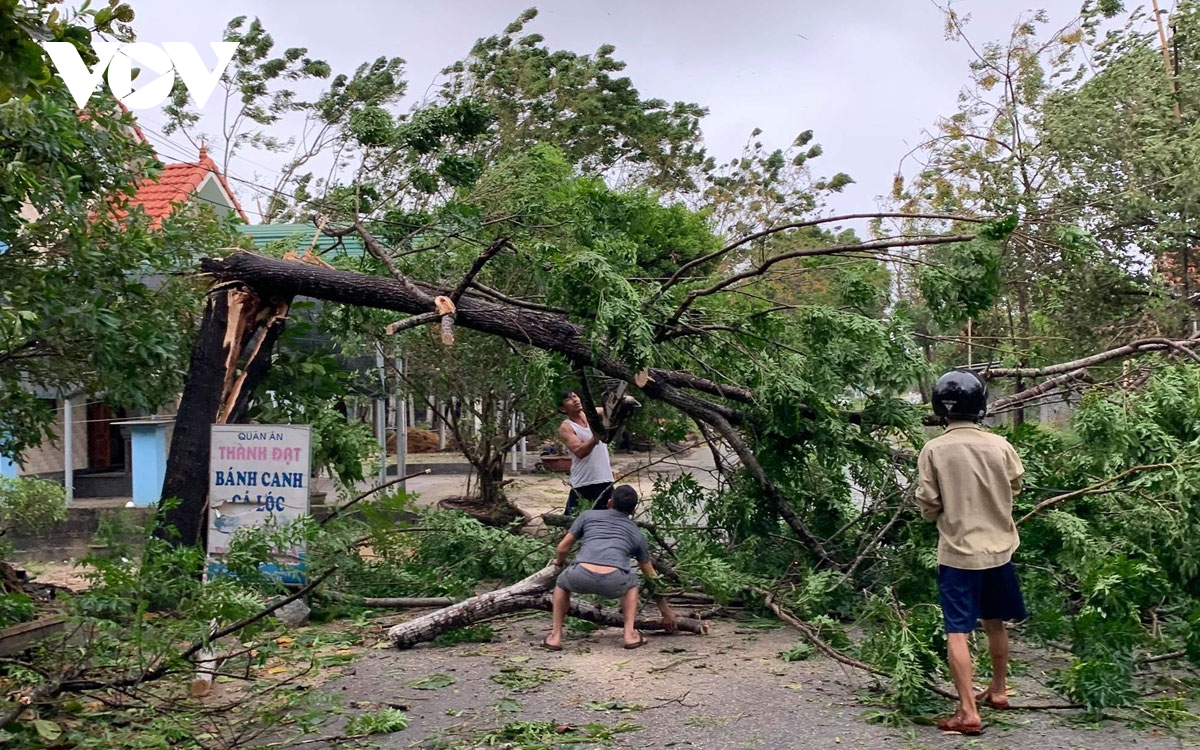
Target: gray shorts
[(612, 585)]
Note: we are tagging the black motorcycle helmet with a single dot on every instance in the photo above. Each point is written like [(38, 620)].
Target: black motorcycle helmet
[(960, 394)]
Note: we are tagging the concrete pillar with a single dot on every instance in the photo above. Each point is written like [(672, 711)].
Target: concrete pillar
[(69, 451), (148, 445), (381, 416), (524, 446), (444, 407), (402, 423), (512, 432)]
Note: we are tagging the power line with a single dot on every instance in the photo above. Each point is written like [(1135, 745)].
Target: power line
[(163, 137)]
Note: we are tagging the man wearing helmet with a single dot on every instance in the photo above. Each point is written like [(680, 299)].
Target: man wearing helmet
[(967, 481)]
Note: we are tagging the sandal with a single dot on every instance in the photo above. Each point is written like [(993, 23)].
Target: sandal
[(956, 724), (641, 641), (998, 702), (548, 646)]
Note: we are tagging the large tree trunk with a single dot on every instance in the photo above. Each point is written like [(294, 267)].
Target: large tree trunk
[(236, 323), (528, 593), (187, 464), (491, 481)]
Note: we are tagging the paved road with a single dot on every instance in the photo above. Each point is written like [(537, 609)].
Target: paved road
[(726, 690)]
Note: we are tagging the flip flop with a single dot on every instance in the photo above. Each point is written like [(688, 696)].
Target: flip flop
[(955, 724), (546, 645), (641, 641), (998, 702)]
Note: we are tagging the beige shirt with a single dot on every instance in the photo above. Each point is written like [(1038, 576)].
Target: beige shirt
[(968, 478)]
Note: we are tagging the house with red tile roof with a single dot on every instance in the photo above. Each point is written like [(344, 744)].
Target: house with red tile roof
[(183, 183), (92, 451)]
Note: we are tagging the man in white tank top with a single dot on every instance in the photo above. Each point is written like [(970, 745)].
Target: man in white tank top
[(591, 471)]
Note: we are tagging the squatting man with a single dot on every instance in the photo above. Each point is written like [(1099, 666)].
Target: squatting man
[(610, 539), (967, 480)]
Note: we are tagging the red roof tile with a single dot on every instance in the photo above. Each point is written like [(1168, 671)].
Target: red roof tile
[(176, 185)]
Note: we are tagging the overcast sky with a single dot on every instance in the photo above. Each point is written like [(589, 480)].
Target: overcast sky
[(866, 75)]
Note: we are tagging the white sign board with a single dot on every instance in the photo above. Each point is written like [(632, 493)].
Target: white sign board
[(258, 475)]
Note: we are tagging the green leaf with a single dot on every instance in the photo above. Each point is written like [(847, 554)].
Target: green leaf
[(508, 705), (47, 730), (432, 682), (1000, 229)]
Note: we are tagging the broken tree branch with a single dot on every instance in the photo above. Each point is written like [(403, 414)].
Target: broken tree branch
[(164, 666), (528, 593), (499, 297), (695, 382), (811, 636), (782, 504), (873, 246), (1008, 402), (446, 309), (413, 322), (679, 273), (608, 616), (358, 498), (498, 602), (1134, 347), (476, 267), (1057, 499)]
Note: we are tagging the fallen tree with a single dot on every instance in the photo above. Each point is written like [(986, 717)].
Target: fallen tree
[(801, 405), (528, 593), (723, 407)]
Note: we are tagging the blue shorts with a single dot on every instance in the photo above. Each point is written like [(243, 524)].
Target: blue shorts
[(972, 595)]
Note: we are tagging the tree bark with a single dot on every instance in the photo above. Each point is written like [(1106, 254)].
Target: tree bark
[(528, 593), (187, 464), (430, 626)]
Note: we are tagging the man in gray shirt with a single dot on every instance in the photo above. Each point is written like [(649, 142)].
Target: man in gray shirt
[(610, 540)]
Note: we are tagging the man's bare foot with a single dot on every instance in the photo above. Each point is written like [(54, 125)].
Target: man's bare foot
[(993, 698), (552, 643), (962, 723)]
